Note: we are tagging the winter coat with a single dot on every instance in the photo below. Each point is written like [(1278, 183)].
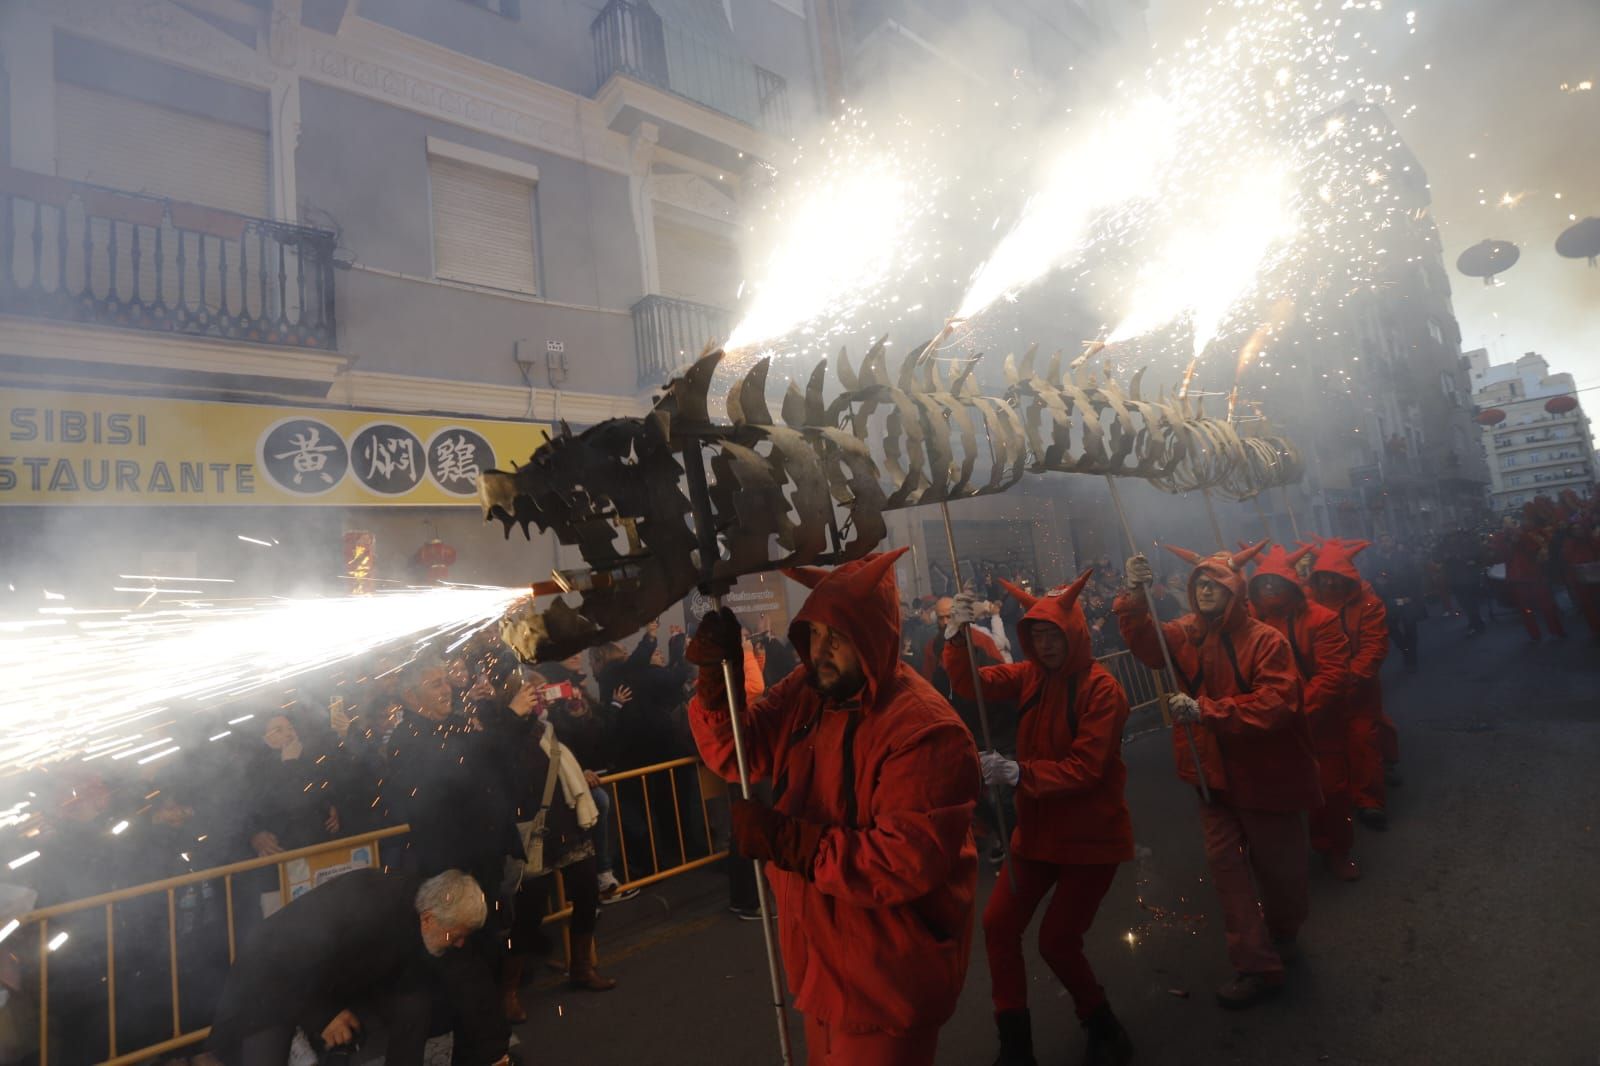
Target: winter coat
[(1253, 739), (1365, 624), (335, 946), (1319, 648), (876, 935), (444, 779), (1070, 805)]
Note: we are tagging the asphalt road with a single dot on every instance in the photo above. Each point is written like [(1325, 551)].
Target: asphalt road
[(1473, 937)]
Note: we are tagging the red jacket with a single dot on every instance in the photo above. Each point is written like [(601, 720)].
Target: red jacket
[(1318, 646), (1254, 742), (933, 661), (878, 936), (1364, 622), (1070, 805)]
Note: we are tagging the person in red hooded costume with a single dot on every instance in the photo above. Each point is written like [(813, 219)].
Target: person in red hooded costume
[(1240, 696), (1321, 655), (868, 843), (1525, 549), (1371, 737), (1072, 825)]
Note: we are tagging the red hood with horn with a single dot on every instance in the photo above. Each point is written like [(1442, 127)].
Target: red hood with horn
[(1278, 562), (1338, 556), (1058, 607), (1227, 570), (861, 601)]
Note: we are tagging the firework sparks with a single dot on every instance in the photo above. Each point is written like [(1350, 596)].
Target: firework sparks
[(1116, 162), (845, 228), (93, 686)]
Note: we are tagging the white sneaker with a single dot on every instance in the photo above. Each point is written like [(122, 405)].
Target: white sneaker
[(607, 880)]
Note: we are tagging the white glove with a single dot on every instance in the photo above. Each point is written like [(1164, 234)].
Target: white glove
[(1184, 709), (999, 770), (963, 612), (1139, 572)]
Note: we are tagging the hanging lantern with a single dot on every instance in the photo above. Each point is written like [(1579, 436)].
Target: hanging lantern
[(1560, 405), (1490, 416), (1581, 240), (436, 557), (1488, 258), (358, 562)]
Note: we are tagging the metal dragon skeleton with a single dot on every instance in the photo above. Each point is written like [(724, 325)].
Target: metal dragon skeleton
[(661, 504)]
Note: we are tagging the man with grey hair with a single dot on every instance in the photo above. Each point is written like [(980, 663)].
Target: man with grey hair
[(359, 949)]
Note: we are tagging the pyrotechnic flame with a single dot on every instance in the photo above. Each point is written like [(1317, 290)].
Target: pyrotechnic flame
[(844, 229), (1115, 162), (91, 686), (1209, 265)]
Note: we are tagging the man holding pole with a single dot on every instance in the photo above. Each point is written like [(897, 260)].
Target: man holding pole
[(1072, 825), (867, 844), (1240, 698)]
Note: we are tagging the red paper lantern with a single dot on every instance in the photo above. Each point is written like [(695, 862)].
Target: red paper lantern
[(437, 557), (1491, 416), (1560, 405)]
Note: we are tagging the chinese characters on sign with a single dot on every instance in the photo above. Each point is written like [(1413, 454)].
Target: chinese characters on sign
[(304, 456), (308, 457), (456, 457)]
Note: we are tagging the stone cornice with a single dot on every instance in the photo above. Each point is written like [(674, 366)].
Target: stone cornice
[(68, 343)]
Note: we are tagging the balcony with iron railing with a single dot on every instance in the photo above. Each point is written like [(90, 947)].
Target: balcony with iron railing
[(670, 333), (75, 252), (631, 39)]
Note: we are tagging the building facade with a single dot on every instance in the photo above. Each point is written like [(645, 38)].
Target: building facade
[(352, 232), (1393, 447), (380, 228), (1533, 451)]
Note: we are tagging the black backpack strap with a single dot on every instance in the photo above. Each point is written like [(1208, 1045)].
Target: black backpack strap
[(1072, 705), (780, 784), (1233, 660), (1305, 668), (848, 755)]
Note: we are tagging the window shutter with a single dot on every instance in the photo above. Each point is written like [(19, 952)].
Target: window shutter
[(128, 144), (482, 226)]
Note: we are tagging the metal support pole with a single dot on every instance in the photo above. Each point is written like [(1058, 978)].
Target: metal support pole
[(763, 898), (705, 533), (977, 685), (1216, 527), (1161, 637)]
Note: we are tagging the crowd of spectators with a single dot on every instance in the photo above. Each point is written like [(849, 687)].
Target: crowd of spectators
[(455, 745)]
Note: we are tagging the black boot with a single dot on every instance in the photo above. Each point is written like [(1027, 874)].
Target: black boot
[(1108, 1040), (1016, 1038)]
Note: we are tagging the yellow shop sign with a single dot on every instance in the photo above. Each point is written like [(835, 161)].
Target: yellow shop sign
[(83, 448)]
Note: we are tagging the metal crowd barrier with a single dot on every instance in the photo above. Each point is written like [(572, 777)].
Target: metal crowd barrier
[(633, 874)]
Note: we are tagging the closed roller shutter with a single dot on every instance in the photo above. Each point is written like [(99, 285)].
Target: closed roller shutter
[(695, 265), (482, 226), (129, 144)]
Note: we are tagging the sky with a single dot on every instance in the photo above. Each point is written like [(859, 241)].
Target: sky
[(1490, 120)]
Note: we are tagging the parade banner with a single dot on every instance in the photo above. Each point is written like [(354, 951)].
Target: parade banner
[(84, 448)]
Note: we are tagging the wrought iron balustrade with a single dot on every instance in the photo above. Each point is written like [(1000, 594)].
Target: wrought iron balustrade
[(76, 252), (670, 334), (632, 39)]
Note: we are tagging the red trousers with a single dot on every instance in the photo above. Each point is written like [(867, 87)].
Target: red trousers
[(828, 1045), (1332, 832), (1271, 846), (1535, 599), (1079, 890), (1364, 754)]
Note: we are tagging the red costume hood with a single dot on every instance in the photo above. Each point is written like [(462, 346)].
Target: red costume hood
[(1280, 563), (860, 600), (1226, 570), (1060, 608), (1335, 556)]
